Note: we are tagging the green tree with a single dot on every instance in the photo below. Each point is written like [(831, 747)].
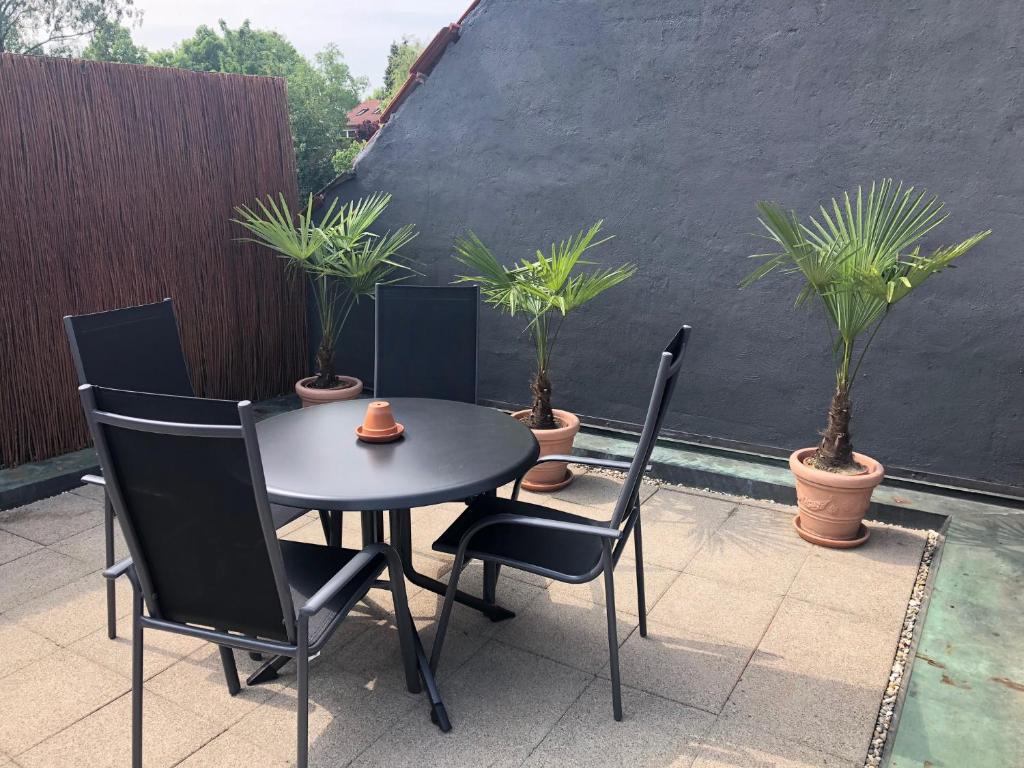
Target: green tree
[(53, 26), (113, 42), (401, 57), (345, 157)]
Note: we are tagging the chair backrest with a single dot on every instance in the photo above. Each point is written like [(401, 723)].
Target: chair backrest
[(426, 342), (135, 348), (664, 385), (186, 482)]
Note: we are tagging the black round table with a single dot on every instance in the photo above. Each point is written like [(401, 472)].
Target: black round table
[(450, 451)]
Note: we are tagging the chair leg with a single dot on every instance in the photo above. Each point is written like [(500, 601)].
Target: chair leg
[(227, 660), (403, 619), (108, 534), (446, 610), (613, 640), (641, 599), (302, 696), (491, 571), (137, 682)]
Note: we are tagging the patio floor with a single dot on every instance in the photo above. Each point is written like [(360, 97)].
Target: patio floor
[(762, 651)]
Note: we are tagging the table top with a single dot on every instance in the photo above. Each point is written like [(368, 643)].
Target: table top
[(450, 451)]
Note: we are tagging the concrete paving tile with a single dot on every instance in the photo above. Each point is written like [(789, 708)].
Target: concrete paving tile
[(873, 580), (754, 549), (230, 751), (596, 490), (73, 611), (345, 717), (310, 517), (161, 648), (12, 547), (196, 684), (19, 647), (376, 654), (89, 546), (103, 738), (729, 745), (677, 525), (817, 678), (653, 731), (502, 703), (656, 581), (36, 574), (89, 491), (30, 715), (682, 665), (716, 609), (566, 629), (514, 594), (51, 520)]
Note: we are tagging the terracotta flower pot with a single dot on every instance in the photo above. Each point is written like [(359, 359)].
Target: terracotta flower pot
[(353, 388), (551, 477), (832, 505)]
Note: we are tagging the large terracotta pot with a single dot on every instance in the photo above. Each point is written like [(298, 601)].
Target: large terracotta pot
[(832, 505), (310, 396), (551, 477)]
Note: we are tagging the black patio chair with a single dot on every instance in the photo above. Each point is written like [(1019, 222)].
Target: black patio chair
[(560, 545), (137, 349), (185, 478), (426, 342)]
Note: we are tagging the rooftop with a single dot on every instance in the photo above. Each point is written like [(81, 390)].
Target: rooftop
[(751, 628)]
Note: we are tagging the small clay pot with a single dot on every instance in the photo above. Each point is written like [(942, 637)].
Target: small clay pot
[(378, 419), (832, 505), (353, 388), (545, 478)]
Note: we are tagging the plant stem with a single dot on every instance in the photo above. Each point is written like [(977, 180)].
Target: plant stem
[(835, 453)]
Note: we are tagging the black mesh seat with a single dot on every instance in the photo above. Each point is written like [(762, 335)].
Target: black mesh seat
[(521, 547), (310, 566), (560, 545)]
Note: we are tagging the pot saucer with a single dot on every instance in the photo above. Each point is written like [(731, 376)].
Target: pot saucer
[(385, 438), (549, 487), (862, 535)]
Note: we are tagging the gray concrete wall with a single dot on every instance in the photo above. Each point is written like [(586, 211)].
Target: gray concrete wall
[(669, 120)]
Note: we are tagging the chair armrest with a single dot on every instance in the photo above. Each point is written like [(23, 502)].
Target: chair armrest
[(338, 581), (506, 518), (119, 569), (591, 461), (94, 480)]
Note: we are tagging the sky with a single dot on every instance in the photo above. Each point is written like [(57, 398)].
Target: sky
[(362, 30)]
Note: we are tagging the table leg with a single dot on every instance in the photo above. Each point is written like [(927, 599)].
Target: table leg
[(373, 527), (401, 540)]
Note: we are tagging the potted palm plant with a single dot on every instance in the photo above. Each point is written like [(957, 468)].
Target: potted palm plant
[(543, 291), (856, 261), (344, 259)]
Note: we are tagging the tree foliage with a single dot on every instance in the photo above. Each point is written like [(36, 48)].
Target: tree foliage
[(113, 42), (345, 157), (401, 56), (54, 26)]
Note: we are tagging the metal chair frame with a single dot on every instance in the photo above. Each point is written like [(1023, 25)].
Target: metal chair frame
[(613, 533), (297, 645)]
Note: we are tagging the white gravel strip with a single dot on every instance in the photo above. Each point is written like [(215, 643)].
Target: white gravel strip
[(900, 663)]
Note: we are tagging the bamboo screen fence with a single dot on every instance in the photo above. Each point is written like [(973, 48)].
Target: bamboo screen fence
[(117, 185)]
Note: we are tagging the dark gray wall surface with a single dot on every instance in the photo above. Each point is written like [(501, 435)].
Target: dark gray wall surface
[(669, 120)]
